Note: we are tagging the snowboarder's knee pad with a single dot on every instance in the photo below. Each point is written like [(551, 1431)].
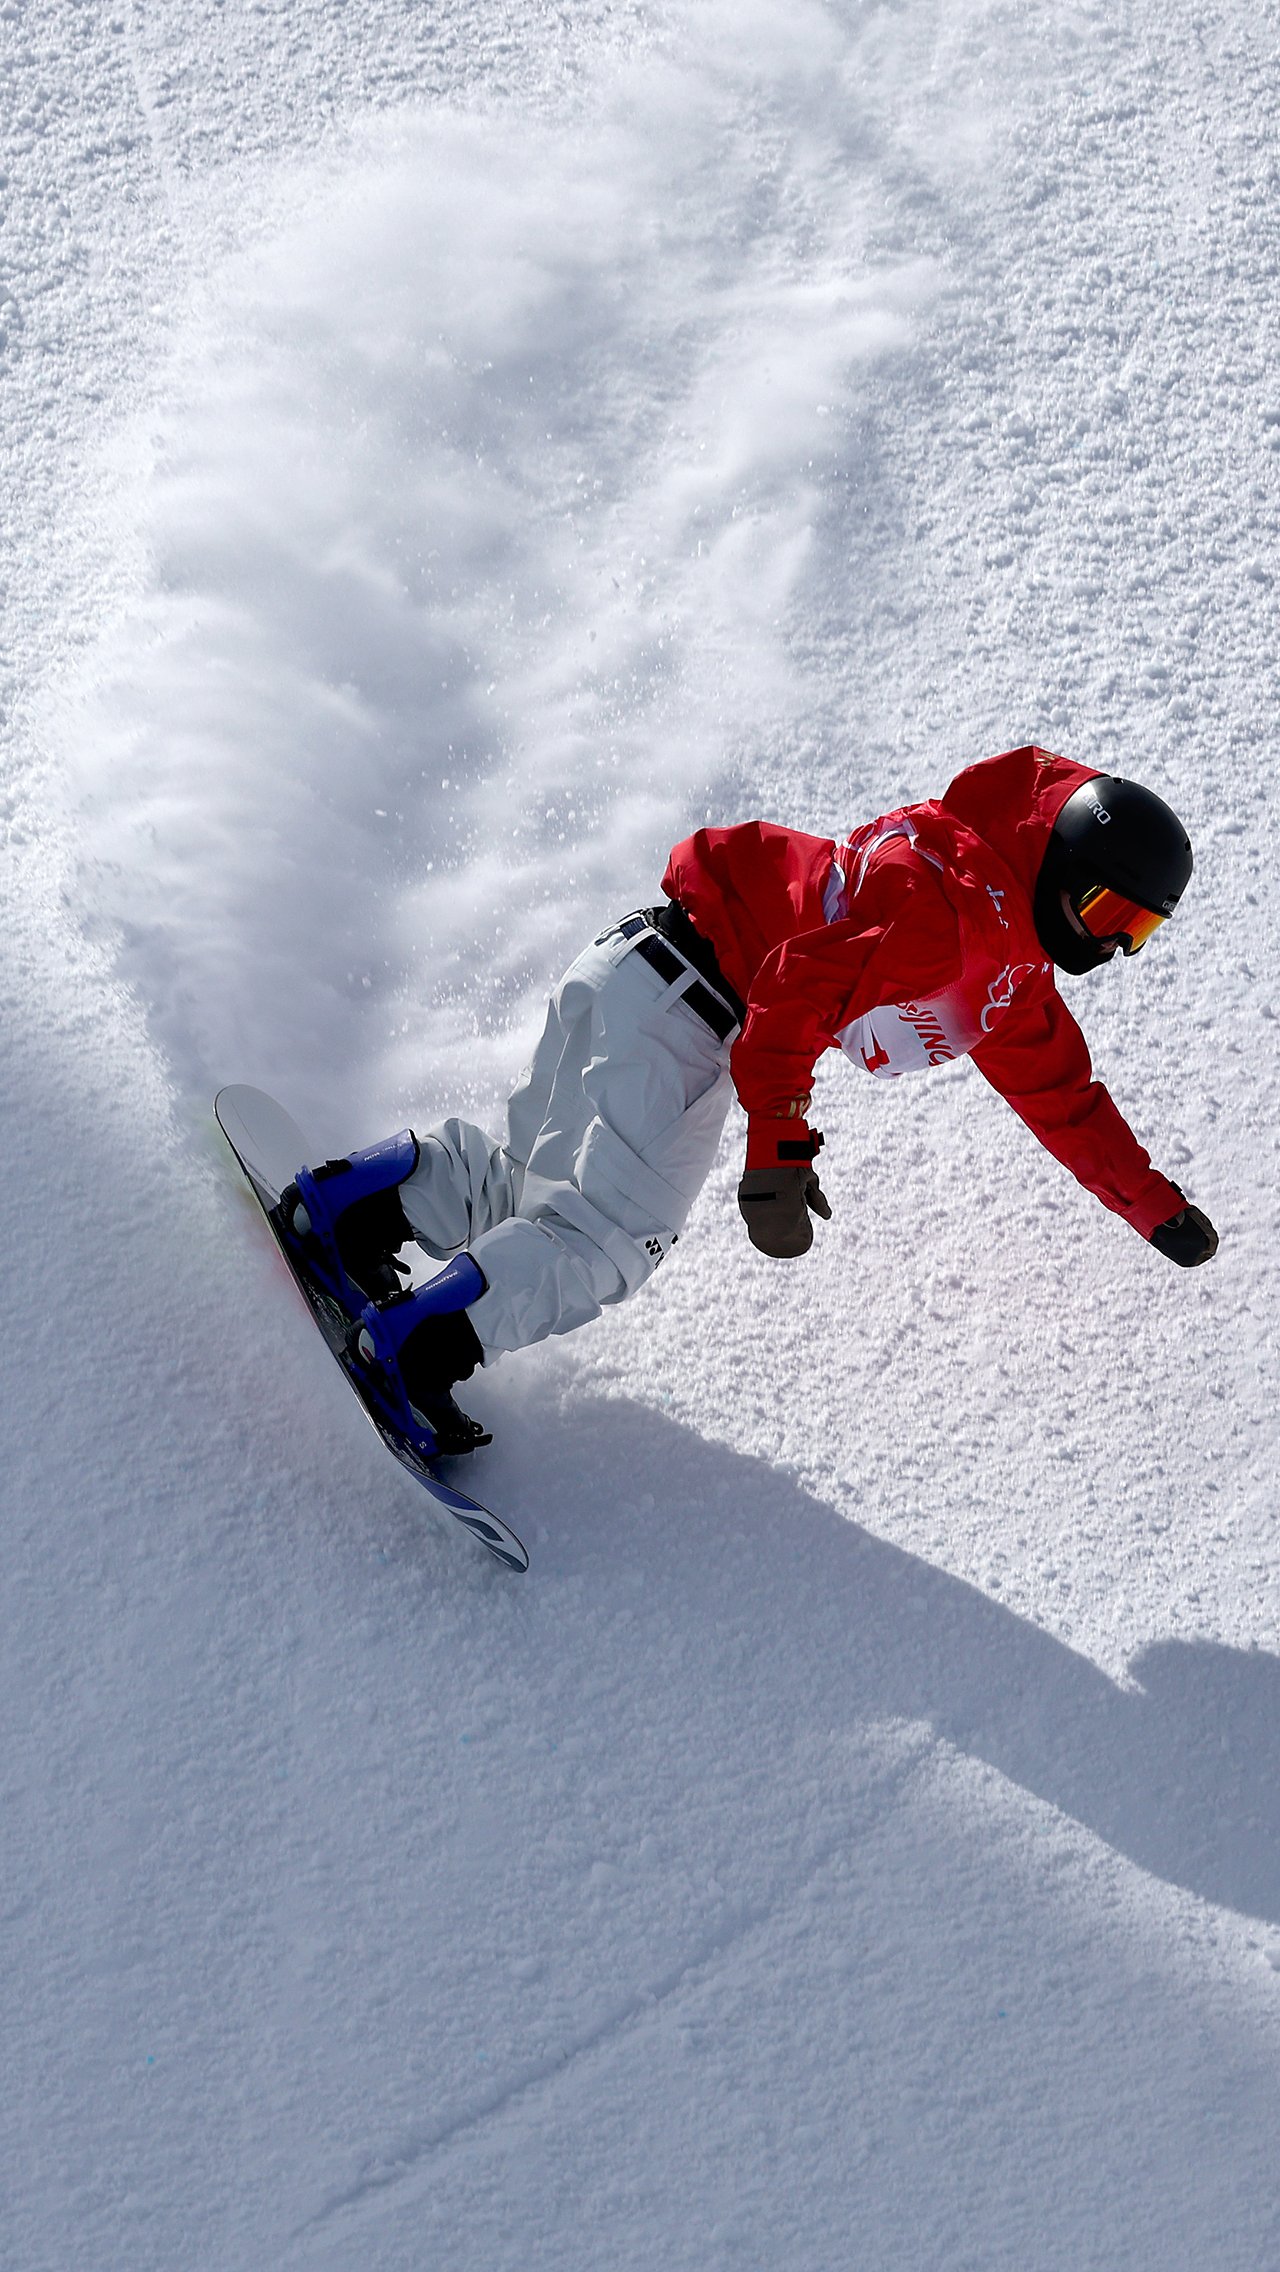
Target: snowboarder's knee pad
[(425, 1334)]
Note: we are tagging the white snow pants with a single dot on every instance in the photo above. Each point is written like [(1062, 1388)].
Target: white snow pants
[(611, 1134)]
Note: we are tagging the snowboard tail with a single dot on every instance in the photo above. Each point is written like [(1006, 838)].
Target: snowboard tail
[(269, 1148)]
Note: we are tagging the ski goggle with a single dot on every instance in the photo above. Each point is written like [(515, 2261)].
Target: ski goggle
[(1107, 914)]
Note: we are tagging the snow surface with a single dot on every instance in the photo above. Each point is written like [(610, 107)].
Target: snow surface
[(448, 451)]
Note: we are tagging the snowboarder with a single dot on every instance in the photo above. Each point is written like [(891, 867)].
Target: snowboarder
[(927, 935)]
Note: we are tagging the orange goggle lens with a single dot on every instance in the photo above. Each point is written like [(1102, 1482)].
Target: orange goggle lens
[(1107, 914)]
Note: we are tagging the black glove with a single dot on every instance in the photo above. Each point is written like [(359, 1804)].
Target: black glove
[(1188, 1237)]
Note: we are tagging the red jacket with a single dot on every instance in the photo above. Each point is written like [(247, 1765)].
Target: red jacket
[(908, 945)]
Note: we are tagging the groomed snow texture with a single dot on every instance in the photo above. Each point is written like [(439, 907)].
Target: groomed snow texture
[(449, 449)]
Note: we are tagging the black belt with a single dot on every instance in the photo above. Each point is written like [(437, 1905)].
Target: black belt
[(722, 1010)]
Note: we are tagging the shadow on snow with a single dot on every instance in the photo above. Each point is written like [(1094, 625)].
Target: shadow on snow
[(1180, 1773)]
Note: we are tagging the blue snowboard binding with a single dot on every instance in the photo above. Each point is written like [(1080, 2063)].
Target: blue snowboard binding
[(345, 1223), (346, 1218), (423, 1339)]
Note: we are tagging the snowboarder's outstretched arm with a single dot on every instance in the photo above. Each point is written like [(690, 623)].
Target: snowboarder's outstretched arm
[(1038, 1061)]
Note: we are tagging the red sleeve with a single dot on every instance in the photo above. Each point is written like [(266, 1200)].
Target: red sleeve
[(902, 940), (1039, 1062)]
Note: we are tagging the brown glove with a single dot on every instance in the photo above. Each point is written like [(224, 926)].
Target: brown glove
[(780, 1190)]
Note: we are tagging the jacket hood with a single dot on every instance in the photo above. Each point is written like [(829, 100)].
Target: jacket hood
[(1012, 802)]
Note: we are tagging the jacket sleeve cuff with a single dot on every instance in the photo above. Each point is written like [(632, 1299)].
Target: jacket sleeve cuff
[(1159, 1200), (780, 1143)]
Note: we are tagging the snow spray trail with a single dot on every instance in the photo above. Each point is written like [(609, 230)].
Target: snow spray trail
[(480, 500)]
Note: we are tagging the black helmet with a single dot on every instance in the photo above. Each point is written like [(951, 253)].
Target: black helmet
[(1119, 860)]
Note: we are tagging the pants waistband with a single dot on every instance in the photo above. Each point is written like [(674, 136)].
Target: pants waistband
[(668, 942)]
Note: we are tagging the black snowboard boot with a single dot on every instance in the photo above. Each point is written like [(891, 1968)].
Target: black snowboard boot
[(433, 1358)]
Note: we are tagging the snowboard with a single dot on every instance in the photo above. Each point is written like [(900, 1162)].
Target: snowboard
[(269, 1148)]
